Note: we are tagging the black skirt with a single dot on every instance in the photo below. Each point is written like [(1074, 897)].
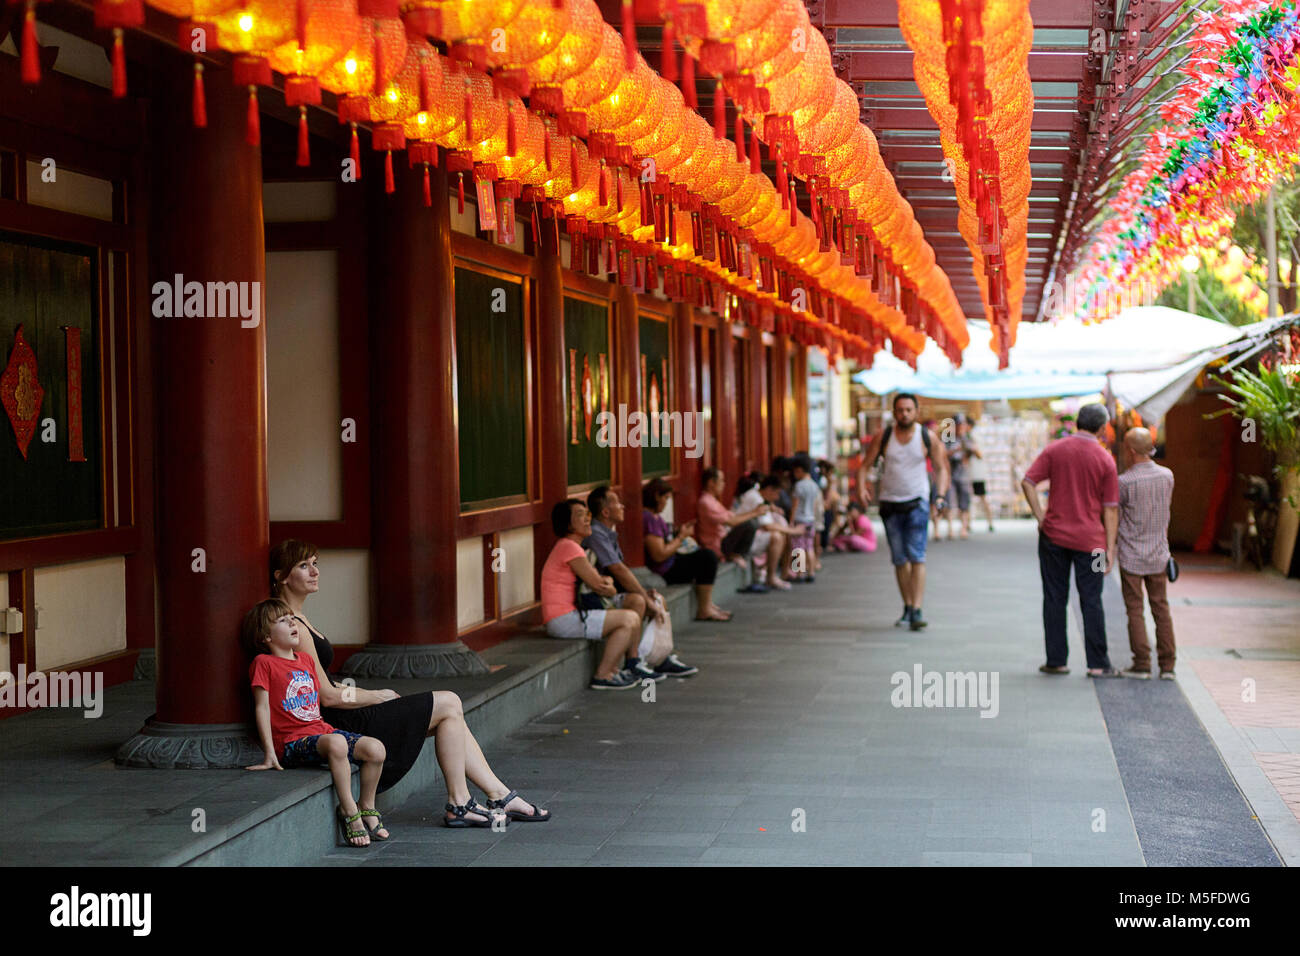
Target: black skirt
[(402, 725)]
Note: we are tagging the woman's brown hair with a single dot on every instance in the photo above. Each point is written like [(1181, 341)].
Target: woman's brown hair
[(284, 556)]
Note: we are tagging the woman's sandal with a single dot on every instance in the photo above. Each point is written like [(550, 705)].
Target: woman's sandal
[(537, 816), (379, 823), (346, 833), (470, 806)]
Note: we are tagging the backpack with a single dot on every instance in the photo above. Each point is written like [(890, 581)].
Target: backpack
[(586, 599), (889, 430)]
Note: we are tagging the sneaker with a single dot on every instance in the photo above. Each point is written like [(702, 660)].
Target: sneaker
[(1055, 670), (1167, 675), (620, 681), (672, 667), (906, 619), (916, 622), (640, 672), (1137, 673), (1100, 672)]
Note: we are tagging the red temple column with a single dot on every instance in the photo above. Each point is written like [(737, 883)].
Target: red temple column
[(627, 388), (686, 399), (552, 403), (210, 393), (728, 408), (756, 401), (416, 485)]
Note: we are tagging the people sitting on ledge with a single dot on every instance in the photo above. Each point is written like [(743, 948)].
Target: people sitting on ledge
[(770, 552), (677, 558), (733, 544), (567, 568), (607, 512)]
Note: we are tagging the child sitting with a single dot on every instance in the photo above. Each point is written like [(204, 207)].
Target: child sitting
[(292, 727), (854, 532)]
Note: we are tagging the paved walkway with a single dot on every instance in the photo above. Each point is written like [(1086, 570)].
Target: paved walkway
[(789, 748)]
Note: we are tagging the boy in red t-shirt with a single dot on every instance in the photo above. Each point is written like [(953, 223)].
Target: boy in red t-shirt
[(286, 701)]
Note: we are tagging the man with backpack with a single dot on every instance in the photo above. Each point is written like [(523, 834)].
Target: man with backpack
[(904, 447)]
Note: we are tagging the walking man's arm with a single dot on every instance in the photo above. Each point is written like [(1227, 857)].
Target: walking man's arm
[(864, 472)]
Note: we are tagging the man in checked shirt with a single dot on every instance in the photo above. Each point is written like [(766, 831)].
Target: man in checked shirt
[(1145, 489)]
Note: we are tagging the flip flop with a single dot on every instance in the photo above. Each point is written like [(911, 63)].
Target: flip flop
[(537, 816)]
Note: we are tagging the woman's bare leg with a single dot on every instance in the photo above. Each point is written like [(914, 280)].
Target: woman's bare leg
[(449, 740)]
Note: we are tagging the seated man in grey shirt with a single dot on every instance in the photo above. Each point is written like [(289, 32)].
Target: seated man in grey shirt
[(606, 515)]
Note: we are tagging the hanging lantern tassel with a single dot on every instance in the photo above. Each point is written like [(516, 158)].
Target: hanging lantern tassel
[(719, 112), (794, 207), (537, 233), (668, 65), (755, 165), (618, 189), (389, 186), (460, 193), (546, 149), (740, 137), (380, 67), (355, 151), (31, 56), (304, 147), (469, 113), (199, 102), (119, 65), (688, 81), (428, 192), (782, 184), (629, 36), (573, 163), (512, 133), (426, 98), (302, 10), (253, 125), (602, 190)]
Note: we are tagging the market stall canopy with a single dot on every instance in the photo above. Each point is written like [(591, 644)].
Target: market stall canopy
[(1147, 350)]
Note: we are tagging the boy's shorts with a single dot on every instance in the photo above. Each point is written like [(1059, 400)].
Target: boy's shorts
[(302, 752)]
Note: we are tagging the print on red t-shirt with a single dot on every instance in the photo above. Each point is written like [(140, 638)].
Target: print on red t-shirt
[(1084, 481), (295, 701)]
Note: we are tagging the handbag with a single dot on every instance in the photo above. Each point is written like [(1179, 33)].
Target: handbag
[(1171, 569), (588, 600)]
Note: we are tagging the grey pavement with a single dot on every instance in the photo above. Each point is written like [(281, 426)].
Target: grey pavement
[(787, 748)]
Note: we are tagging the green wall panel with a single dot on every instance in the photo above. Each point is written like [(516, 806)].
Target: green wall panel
[(44, 288), (586, 389), (655, 394), (490, 397)]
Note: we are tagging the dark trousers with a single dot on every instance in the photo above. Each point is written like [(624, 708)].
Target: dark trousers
[(698, 567), (1054, 564), (740, 539)]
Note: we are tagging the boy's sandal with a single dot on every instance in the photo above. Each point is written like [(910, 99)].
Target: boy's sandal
[(537, 816), (379, 823), (470, 806), (346, 832)]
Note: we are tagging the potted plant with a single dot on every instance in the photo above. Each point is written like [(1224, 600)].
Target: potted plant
[(1270, 398)]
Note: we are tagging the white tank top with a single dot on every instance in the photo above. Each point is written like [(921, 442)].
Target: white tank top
[(904, 476)]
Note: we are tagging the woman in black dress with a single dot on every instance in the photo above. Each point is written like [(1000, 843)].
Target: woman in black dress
[(402, 723)]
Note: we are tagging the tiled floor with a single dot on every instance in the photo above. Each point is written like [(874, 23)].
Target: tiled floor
[(790, 747)]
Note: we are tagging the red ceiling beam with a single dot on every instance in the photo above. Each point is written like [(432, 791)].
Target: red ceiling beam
[(1047, 14), (920, 118), (896, 65)]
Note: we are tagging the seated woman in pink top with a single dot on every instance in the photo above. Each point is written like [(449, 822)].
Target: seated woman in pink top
[(564, 567)]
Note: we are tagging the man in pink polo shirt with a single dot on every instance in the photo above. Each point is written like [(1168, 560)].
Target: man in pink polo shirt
[(1079, 529)]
